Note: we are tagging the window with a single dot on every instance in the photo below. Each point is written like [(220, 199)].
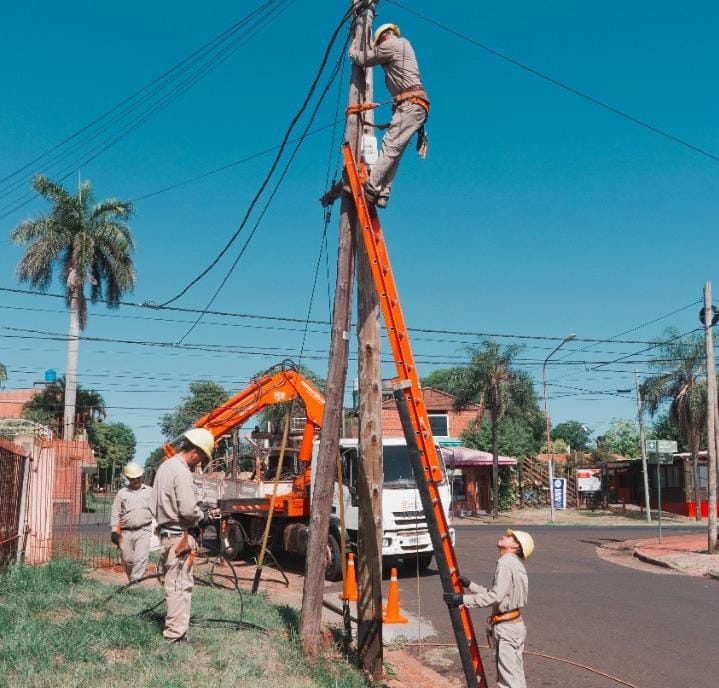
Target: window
[(439, 423), (672, 475), (459, 486)]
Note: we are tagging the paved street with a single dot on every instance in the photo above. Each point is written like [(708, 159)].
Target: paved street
[(648, 628)]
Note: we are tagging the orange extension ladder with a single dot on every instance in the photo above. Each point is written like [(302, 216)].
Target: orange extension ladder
[(415, 421)]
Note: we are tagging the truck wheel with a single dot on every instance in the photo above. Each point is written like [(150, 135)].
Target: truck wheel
[(333, 572), (234, 540), (422, 562)]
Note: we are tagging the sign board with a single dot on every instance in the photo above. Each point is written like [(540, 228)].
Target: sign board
[(559, 493), (589, 480), (661, 451)]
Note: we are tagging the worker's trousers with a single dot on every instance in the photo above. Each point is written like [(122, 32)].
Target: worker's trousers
[(509, 654), (135, 551), (407, 119), (178, 582)]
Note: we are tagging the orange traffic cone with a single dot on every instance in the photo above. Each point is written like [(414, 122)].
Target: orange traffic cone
[(392, 615), (349, 589)]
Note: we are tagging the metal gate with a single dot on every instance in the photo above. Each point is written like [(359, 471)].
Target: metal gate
[(13, 489)]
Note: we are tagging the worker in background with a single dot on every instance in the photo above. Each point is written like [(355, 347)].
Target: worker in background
[(507, 596), (410, 106), (178, 516), (131, 523)]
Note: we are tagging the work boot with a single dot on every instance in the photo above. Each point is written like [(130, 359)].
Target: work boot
[(184, 641)]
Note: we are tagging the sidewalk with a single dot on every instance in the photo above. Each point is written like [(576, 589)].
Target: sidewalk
[(685, 554)]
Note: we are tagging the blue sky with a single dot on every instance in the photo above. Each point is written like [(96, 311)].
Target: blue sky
[(535, 213)]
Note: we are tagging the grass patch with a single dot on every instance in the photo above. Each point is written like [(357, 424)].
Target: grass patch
[(57, 629)]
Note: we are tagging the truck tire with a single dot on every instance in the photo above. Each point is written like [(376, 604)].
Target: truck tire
[(234, 540), (422, 562), (333, 572)]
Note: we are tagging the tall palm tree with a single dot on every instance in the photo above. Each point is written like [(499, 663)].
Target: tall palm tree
[(92, 245), (490, 381), (681, 369)]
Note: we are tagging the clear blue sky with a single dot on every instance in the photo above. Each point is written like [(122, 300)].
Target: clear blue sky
[(535, 213)]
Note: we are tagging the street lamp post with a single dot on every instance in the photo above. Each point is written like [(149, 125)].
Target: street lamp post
[(568, 338)]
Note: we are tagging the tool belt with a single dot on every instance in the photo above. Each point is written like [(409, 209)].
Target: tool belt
[(511, 615), (415, 95)]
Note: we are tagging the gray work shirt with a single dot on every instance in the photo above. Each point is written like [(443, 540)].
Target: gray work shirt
[(509, 589), (398, 61), (132, 509), (173, 495)]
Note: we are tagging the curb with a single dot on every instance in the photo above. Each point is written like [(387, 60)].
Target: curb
[(651, 560)]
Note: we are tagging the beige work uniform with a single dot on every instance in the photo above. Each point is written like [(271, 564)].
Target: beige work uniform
[(176, 510), (401, 73), (131, 516), (509, 591)]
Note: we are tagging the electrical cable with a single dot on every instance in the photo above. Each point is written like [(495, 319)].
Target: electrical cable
[(272, 195), (556, 82), (273, 167)]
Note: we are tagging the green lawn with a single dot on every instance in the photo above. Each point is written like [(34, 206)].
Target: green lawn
[(56, 629)]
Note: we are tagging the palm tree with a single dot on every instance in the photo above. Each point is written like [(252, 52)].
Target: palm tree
[(681, 365), (93, 245), (490, 381)]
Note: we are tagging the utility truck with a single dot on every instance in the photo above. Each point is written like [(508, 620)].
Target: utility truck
[(240, 500)]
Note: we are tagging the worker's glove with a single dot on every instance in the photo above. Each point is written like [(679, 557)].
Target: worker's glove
[(453, 599), (205, 521), (115, 538), (465, 581)]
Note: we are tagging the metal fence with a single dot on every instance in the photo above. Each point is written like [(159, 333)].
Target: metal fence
[(14, 465)]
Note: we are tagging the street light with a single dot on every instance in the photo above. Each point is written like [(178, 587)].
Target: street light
[(568, 338)]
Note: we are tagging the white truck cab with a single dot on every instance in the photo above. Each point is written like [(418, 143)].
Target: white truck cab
[(405, 534)]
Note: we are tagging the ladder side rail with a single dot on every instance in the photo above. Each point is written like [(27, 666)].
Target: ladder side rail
[(417, 428)]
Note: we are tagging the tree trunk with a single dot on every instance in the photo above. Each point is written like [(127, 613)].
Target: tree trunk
[(711, 421), (73, 349), (495, 468)]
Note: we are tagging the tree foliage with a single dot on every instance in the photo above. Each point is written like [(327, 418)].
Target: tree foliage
[(204, 395), (90, 241), (48, 405), (516, 438), (622, 438), (443, 379), (114, 445), (574, 433), (490, 381)]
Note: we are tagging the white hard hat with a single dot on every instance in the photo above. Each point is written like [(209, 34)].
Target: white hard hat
[(202, 439), (385, 27), (132, 471), (525, 540)]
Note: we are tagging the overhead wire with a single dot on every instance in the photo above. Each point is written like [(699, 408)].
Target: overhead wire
[(261, 21), (272, 169), (561, 84)]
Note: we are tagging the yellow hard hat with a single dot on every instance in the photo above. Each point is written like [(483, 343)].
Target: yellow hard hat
[(385, 27), (202, 439), (525, 540), (132, 471)]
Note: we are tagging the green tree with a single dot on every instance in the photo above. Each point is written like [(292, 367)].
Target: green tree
[(665, 429), (114, 445), (490, 380), (154, 459), (574, 433), (516, 438), (3, 375), (443, 379), (47, 407), (204, 396), (622, 437), (93, 246), (680, 366)]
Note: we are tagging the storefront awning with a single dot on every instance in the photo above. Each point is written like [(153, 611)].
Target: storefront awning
[(456, 457)]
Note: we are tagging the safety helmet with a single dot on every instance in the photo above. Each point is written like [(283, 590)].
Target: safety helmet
[(385, 27), (132, 471), (525, 540), (202, 439)]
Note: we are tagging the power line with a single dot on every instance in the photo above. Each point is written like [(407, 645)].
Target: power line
[(556, 82), (272, 169)]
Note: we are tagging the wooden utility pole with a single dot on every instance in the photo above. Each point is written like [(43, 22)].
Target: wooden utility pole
[(711, 420), (371, 477), (324, 470)]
